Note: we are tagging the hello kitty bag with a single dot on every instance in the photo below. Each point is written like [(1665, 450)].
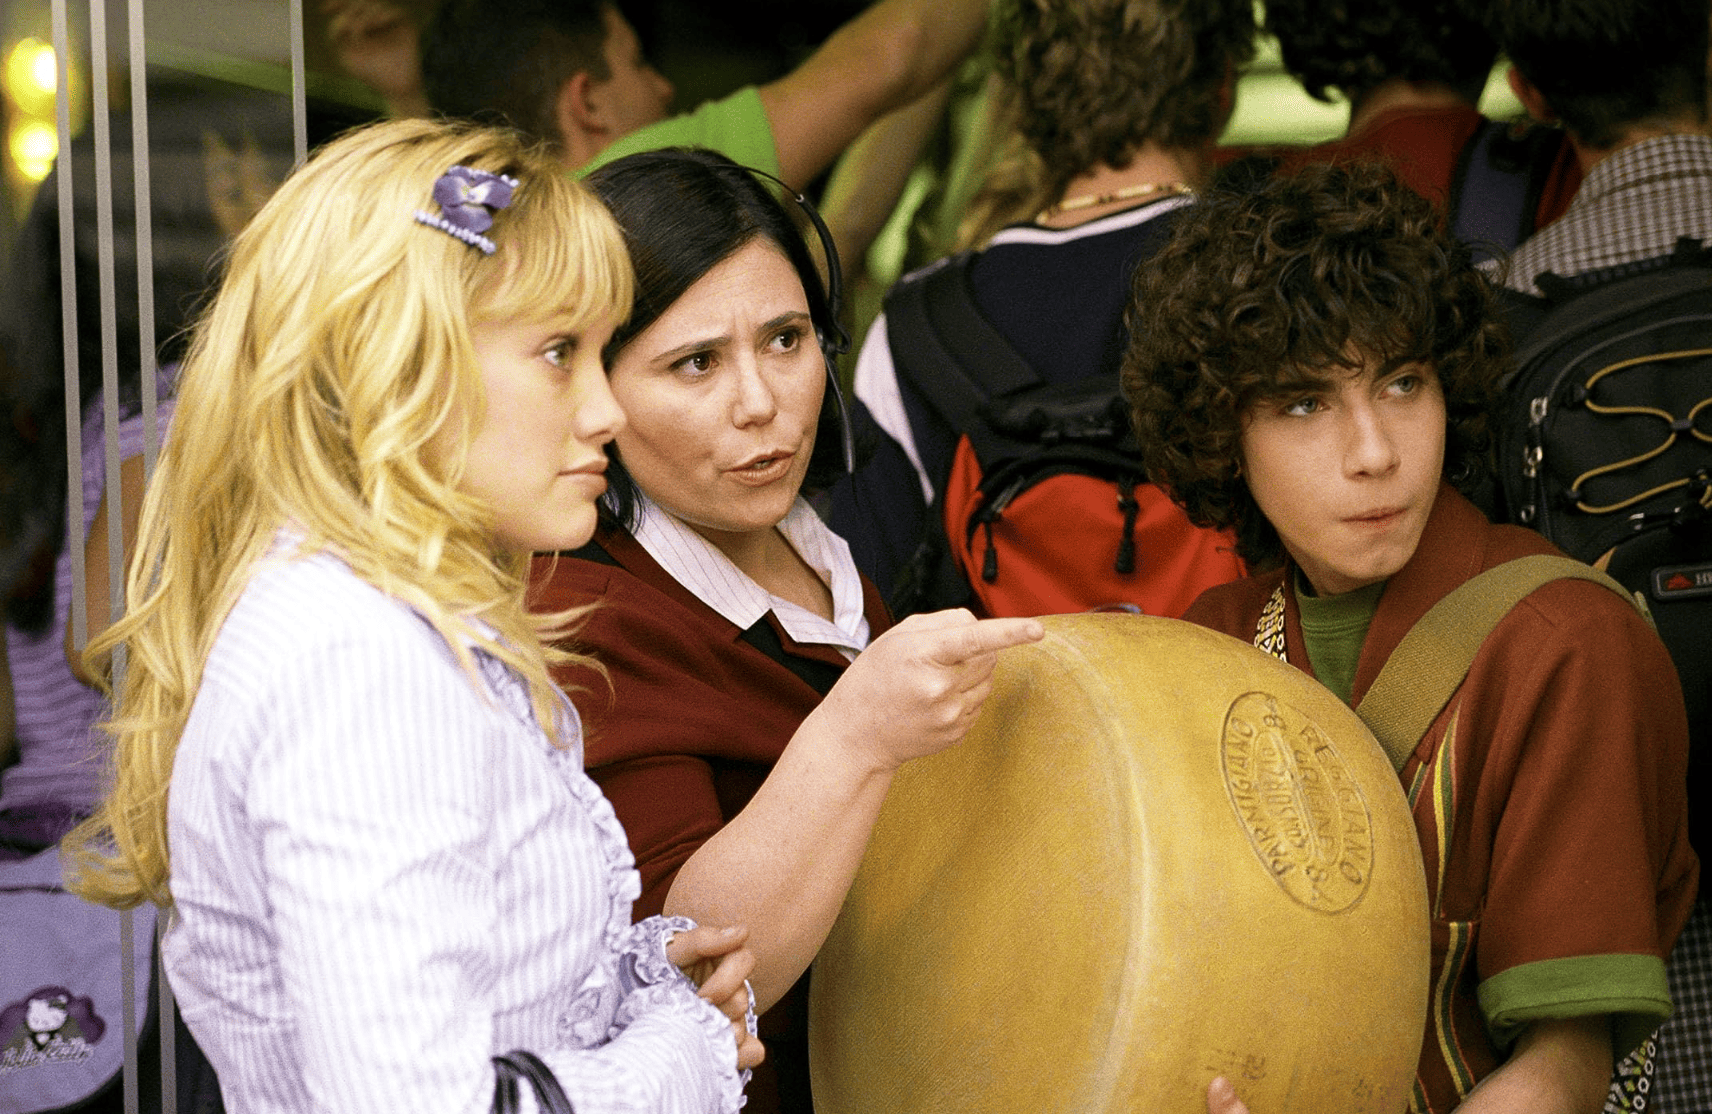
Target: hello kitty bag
[(61, 1011)]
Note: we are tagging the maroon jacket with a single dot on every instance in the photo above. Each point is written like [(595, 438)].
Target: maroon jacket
[(1424, 145), (696, 714)]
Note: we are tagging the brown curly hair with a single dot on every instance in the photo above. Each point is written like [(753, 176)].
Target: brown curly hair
[(1086, 82), (1259, 295)]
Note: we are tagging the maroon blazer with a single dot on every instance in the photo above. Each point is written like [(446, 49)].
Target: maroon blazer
[(697, 711), (696, 714)]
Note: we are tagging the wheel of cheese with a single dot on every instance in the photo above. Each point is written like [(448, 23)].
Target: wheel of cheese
[(1160, 856)]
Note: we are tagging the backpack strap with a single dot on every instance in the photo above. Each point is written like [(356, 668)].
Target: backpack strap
[(950, 354), (1686, 253), (1603, 298), (1430, 663), (946, 349), (1500, 174)]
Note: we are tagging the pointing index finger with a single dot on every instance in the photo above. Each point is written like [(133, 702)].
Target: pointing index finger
[(984, 636)]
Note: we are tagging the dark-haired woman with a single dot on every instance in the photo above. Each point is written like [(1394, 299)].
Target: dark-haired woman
[(744, 754)]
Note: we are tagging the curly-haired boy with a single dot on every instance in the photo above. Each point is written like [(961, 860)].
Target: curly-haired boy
[(1310, 365)]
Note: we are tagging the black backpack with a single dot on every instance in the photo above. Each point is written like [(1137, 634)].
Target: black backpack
[(1605, 447), (1045, 507)]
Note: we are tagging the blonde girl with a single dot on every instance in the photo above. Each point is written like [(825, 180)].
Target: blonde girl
[(340, 759)]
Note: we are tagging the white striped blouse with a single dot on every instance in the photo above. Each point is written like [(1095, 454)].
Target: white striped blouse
[(383, 875)]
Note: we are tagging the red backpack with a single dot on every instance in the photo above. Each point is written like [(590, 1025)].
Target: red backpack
[(1047, 508)]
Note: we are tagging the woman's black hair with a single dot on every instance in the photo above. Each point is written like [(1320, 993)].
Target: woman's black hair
[(683, 210)]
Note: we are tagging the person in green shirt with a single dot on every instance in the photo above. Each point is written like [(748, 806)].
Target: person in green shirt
[(573, 74)]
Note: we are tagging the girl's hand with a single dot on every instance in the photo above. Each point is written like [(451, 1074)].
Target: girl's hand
[(718, 963), (917, 688)]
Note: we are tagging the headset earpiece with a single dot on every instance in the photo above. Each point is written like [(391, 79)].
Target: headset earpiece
[(833, 346)]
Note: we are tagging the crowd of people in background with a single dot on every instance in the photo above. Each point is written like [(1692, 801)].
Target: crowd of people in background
[(548, 564)]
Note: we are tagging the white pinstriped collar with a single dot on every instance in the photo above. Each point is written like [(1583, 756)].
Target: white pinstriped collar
[(698, 565)]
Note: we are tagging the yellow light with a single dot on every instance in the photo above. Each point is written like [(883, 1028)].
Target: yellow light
[(44, 68), (33, 146), (32, 75)]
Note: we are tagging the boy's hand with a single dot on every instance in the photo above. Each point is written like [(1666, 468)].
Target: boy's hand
[(1221, 1098)]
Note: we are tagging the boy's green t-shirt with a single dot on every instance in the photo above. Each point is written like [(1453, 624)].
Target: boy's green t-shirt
[(1334, 628)]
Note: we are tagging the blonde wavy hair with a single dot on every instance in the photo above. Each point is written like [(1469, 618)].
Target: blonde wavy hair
[(332, 388)]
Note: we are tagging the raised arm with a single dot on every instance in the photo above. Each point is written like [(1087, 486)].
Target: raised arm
[(871, 175), (783, 865), (891, 54)]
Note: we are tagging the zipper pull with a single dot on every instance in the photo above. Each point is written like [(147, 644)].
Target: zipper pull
[(1130, 506)]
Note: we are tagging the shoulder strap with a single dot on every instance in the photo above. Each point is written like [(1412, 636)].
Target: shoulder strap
[(1430, 663), (521, 1064), (946, 349), (1497, 184), (1682, 268)]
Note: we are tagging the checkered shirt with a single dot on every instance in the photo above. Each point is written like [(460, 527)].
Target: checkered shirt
[(1634, 204), (1684, 1081)]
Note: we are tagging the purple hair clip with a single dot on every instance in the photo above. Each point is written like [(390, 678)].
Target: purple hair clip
[(468, 199)]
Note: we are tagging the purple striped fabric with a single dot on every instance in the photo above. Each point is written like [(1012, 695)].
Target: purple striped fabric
[(61, 759)]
